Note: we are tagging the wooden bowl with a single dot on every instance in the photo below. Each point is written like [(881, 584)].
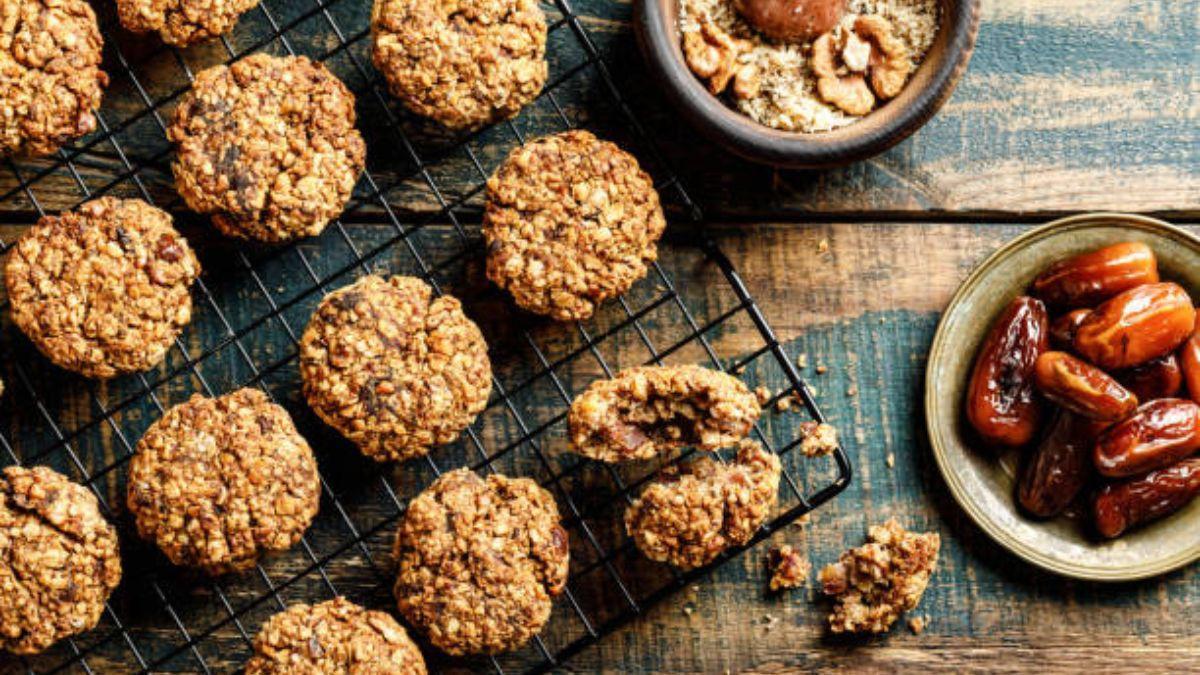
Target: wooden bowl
[(982, 481), (657, 27)]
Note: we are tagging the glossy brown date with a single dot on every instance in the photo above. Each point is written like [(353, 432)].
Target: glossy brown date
[(1001, 403), (1189, 362), (1062, 330), (1059, 467), (1136, 326), (1082, 388), (1093, 277), (1161, 432), (1121, 506), (1157, 378)]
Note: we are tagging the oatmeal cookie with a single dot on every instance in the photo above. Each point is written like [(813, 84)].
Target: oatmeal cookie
[(217, 482), (268, 147), (650, 410), (462, 63), (334, 637), (393, 369), (874, 584), (480, 560), (103, 290), (59, 559), (570, 221), (688, 515), (182, 22), (50, 77)]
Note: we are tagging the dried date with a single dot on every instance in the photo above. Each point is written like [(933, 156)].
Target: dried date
[(1136, 326), (1001, 403), (1121, 506), (1082, 388), (1189, 362), (1160, 433), (1059, 467), (1062, 330), (1157, 378), (1093, 277)]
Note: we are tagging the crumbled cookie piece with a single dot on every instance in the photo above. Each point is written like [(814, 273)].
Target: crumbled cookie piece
[(819, 439), (480, 562), (393, 369), (103, 290), (462, 63), (688, 515), (789, 568), (917, 625), (182, 22), (218, 482), (50, 77), (268, 147), (874, 584), (59, 559), (570, 221), (336, 636), (650, 410)]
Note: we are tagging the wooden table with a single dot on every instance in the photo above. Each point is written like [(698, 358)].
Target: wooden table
[(1068, 106)]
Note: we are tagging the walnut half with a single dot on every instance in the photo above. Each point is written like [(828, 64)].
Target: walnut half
[(712, 55), (845, 61), (846, 90)]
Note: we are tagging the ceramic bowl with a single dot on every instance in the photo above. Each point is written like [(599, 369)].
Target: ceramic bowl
[(983, 482)]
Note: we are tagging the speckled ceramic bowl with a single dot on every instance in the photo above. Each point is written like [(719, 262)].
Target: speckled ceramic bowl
[(982, 482)]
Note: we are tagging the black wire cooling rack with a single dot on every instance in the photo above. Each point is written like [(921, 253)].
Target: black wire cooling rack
[(415, 212)]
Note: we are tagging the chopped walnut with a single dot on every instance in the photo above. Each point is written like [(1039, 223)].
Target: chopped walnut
[(747, 82), (890, 62), (819, 439), (789, 569), (845, 90), (856, 53), (853, 67), (712, 54)]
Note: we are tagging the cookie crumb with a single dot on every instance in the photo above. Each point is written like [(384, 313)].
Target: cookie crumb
[(762, 394), (821, 370), (891, 460), (823, 247), (802, 360), (819, 439), (784, 404), (789, 569), (917, 625)]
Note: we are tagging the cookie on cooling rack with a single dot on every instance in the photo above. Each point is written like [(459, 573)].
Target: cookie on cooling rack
[(102, 290), (462, 63), (688, 515), (480, 562), (59, 559), (268, 147), (570, 221), (650, 410), (393, 369), (218, 482), (50, 77), (182, 22), (336, 636)]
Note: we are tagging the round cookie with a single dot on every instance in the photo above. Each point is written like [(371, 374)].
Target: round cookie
[(218, 482), (50, 77), (393, 369), (268, 147), (336, 636), (480, 562), (103, 290), (182, 22), (59, 559), (462, 63), (570, 222)]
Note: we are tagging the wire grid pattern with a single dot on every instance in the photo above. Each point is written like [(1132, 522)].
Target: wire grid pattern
[(164, 619)]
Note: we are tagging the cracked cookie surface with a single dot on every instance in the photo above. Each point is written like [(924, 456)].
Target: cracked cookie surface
[(570, 221), (688, 515), (103, 290), (50, 77), (462, 63), (182, 22), (393, 369), (59, 559), (333, 637), (218, 482), (268, 147), (480, 562), (650, 410)]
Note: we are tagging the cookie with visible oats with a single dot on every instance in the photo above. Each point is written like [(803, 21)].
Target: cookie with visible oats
[(480, 562), (268, 147), (59, 559), (219, 482), (105, 289), (688, 515), (650, 410), (50, 77), (462, 63), (570, 221), (392, 368), (182, 22), (336, 636)]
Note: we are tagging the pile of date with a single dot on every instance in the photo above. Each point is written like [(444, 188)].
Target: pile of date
[(1096, 376)]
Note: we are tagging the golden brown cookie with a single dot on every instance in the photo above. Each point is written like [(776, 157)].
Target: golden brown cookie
[(392, 368), (268, 147), (570, 221), (50, 77), (463, 63), (103, 290), (218, 482), (182, 22), (480, 562), (59, 559), (331, 638)]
